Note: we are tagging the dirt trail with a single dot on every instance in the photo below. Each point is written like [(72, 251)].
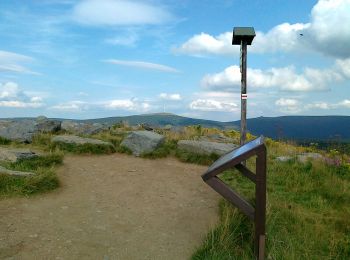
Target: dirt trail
[(112, 207)]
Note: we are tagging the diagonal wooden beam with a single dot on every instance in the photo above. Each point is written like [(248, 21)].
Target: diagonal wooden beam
[(246, 172), (232, 196)]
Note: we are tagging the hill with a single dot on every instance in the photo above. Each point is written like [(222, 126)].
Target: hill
[(297, 128)]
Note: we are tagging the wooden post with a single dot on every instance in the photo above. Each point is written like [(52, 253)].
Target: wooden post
[(243, 92), (260, 204)]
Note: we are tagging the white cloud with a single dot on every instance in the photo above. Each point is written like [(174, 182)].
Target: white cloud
[(327, 32), (71, 106), (345, 103), (286, 79), (20, 104), (344, 67), (289, 105), (213, 105), (174, 97), (143, 65), (319, 105), (127, 104), (11, 62), (9, 90), (119, 13), (203, 44), (12, 96)]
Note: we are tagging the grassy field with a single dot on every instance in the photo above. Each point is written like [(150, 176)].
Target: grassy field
[(308, 209)]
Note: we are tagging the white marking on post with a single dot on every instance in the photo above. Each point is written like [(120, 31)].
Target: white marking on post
[(244, 96)]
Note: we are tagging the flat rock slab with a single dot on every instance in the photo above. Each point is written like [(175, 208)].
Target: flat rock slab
[(14, 155), (205, 147), (140, 142), (77, 140), (14, 173)]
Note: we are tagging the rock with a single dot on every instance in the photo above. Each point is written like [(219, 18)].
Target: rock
[(83, 128), (283, 158), (21, 131), (304, 157), (24, 130), (45, 125), (220, 138), (14, 155), (167, 127), (73, 139), (140, 142), (15, 173), (205, 147)]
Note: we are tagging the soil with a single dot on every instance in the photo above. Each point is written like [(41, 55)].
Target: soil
[(112, 207)]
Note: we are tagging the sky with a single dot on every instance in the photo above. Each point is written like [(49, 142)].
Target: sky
[(101, 58)]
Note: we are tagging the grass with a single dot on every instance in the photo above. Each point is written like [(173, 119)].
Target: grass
[(84, 148), (189, 157), (164, 150), (44, 179), (307, 213)]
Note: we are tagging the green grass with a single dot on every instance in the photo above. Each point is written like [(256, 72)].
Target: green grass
[(84, 148), (189, 157), (308, 211), (164, 150), (4, 141), (44, 179)]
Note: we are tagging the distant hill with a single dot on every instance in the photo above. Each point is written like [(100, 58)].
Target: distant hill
[(299, 128), (159, 119), (284, 127)]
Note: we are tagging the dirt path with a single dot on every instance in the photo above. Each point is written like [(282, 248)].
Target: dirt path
[(112, 207)]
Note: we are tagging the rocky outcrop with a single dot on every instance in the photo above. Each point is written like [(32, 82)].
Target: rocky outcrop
[(24, 130), (76, 140), (45, 125), (140, 142), (14, 155), (14, 173), (205, 147), (83, 128)]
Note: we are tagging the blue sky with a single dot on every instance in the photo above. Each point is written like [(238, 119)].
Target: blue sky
[(99, 58)]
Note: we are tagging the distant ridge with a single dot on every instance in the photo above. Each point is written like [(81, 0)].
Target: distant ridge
[(298, 128)]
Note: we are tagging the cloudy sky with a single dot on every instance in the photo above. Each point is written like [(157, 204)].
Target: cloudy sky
[(99, 58)]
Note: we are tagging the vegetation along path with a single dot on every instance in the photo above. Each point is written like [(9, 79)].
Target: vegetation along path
[(112, 207)]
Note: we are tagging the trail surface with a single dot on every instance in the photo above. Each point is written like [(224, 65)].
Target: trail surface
[(112, 207)]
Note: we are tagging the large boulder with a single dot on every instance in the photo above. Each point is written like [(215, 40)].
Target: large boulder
[(14, 155), (83, 128), (24, 130), (205, 147), (21, 131), (14, 173), (45, 125), (140, 142), (77, 140)]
